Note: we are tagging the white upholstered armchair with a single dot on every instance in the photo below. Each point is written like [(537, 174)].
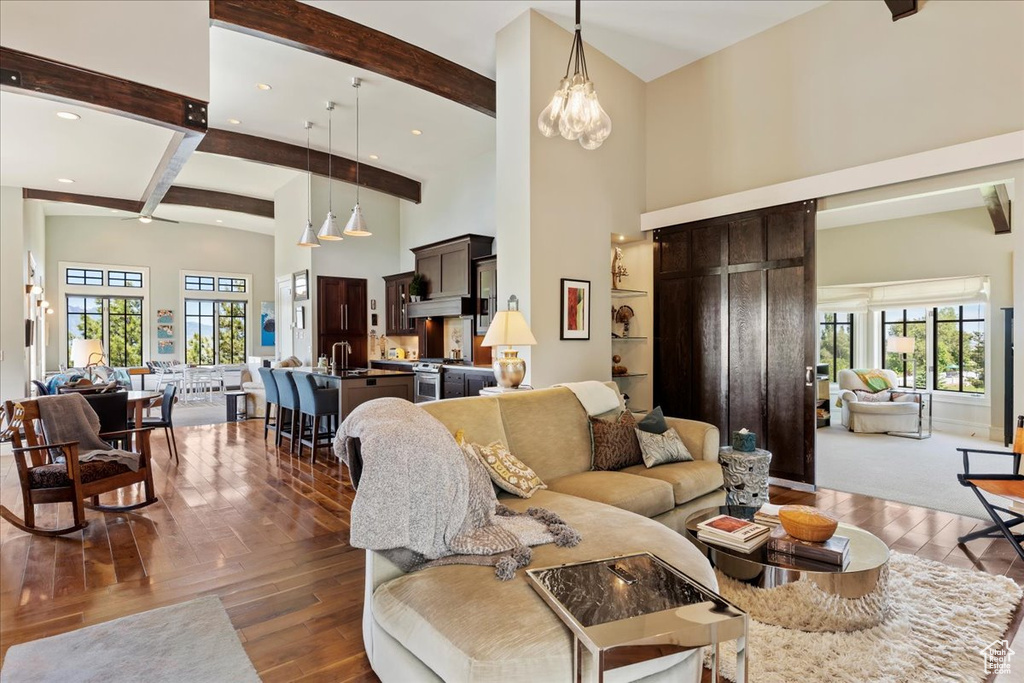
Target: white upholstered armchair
[(876, 417)]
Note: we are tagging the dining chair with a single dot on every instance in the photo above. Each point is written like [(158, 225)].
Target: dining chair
[(317, 404), (288, 401), (166, 420), (270, 391), (112, 409)]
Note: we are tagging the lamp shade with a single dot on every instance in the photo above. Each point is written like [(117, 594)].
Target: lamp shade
[(356, 226), (899, 345), (85, 352), (509, 328)]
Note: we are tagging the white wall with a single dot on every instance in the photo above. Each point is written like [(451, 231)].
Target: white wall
[(13, 366), (460, 202), (576, 198), (164, 43), (165, 249)]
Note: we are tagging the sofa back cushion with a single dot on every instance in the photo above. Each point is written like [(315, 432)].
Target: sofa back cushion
[(479, 418), (548, 430)]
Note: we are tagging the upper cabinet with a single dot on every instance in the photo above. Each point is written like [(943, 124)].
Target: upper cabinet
[(486, 292), (448, 265), (396, 305)]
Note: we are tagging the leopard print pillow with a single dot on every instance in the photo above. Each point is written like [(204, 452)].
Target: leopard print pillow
[(615, 443)]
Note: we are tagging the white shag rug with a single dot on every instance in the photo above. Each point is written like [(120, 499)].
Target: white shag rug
[(193, 642), (939, 619)]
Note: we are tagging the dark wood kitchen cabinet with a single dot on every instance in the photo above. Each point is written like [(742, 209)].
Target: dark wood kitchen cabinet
[(448, 266), (341, 317), (454, 383), (475, 381), (485, 272), (459, 383), (396, 305)]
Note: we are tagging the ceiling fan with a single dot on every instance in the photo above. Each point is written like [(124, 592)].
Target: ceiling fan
[(142, 218)]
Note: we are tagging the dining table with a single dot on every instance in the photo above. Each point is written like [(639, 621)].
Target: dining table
[(138, 401)]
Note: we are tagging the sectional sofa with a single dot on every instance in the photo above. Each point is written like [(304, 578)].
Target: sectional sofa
[(459, 623)]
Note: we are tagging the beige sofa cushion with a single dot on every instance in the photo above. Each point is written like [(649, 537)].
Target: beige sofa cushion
[(548, 430), (478, 417), (469, 638), (642, 495), (689, 480)]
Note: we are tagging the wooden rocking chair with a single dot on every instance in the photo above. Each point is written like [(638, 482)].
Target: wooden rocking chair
[(45, 481)]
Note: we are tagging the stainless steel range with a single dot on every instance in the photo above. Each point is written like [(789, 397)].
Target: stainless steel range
[(429, 381)]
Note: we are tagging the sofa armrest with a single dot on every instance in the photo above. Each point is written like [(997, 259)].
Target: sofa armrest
[(701, 439), (847, 395)]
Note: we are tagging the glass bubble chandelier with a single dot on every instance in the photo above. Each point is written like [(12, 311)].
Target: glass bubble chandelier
[(574, 112)]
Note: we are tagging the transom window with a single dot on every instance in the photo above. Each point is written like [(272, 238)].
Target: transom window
[(116, 321), (231, 284), (215, 331), (835, 332), (199, 283), (907, 322), (959, 341), (84, 276), (123, 278)]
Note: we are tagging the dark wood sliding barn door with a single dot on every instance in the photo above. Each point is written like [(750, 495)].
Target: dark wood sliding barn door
[(734, 327)]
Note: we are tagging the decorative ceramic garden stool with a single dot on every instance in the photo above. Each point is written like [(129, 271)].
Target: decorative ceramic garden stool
[(746, 475)]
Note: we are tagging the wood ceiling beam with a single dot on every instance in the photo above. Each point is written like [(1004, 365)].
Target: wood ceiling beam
[(129, 205), (322, 33), (276, 153), (901, 8), (186, 117), (225, 201), (997, 201)]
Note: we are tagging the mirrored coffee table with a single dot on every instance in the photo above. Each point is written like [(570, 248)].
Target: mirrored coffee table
[(634, 601), (817, 596)]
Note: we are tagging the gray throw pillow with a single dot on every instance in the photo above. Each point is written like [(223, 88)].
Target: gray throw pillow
[(653, 422), (658, 449)]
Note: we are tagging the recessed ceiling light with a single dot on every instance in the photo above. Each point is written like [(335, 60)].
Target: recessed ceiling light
[(622, 238), (70, 116), (416, 131), (65, 180), (263, 86), (113, 211), (374, 157), (145, 219), (219, 220), (234, 122)]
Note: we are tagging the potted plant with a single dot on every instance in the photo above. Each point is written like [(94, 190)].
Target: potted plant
[(417, 287)]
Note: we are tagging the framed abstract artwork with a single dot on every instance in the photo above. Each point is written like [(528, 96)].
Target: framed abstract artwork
[(575, 309), (268, 325), (164, 316), (164, 347)]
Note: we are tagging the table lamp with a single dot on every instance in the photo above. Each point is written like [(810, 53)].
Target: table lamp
[(509, 328), (86, 353), (905, 346)]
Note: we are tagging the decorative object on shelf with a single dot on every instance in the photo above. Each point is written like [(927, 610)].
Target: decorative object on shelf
[(164, 316), (575, 309), (456, 336), (574, 111), (623, 314), (417, 287), (904, 346), (745, 475), (268, 324), (509, 328), (744, 441), (618, 270), (300, 317), (329, 230), (618, 370), (356, 226), (300, 285), (807, 523), (308, 238)]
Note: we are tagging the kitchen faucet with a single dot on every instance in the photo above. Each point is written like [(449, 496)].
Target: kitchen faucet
[(334, 347)]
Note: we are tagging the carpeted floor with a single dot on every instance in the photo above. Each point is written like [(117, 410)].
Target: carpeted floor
[(193, 641), (940, 618), (904, 470)]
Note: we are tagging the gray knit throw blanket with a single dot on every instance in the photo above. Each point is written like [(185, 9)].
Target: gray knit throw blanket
[(69, 417), (422, 501)]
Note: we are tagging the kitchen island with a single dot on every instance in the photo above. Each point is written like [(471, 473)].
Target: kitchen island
[(356, 387)]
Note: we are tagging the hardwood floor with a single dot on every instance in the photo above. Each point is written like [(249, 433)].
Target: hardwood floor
[(268, 534)]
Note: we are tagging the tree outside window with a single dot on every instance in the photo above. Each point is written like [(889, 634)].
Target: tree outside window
[(907, 322), (117, 322), (835, 331), (960, 348), (214, 332)]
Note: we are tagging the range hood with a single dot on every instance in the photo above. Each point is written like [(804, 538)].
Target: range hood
[(451, 307)]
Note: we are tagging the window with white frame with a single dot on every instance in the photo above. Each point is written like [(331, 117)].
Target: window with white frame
[(95, 306), (216, 317)]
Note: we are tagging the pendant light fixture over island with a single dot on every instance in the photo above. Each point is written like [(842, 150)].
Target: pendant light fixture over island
[(356, 226), (329, 230), (308, 238)]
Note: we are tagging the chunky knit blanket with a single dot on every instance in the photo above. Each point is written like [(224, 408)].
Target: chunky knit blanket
[(421, 500)]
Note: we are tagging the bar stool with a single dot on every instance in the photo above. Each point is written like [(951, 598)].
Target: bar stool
[(270, 390), (315, 403), (288, 408)]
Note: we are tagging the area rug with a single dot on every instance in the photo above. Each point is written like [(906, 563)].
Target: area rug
[(193, 641), (940, 618)]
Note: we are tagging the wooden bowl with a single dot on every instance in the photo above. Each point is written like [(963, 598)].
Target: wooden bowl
[(807, 523)]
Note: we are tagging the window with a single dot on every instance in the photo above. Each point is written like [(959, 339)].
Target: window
[(199, 283), (907, 322), (215, 331), (960, 348), (121, 278), (117, 322), (84, 276), (231, 284), (835, 331)]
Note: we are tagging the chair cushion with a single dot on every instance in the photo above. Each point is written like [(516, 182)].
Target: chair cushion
[(642, 495), (891, 408), (689, 480), (52, 476)]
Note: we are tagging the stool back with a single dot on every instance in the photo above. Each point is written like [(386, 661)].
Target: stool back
[(269, 385), (288, 395)]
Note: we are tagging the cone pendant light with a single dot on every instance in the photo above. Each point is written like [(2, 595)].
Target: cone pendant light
[(356, 226), (308, 238), (329, 230)]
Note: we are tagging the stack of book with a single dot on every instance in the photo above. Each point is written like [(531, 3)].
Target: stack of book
[(768, 515), (784, 549), (731, 532)]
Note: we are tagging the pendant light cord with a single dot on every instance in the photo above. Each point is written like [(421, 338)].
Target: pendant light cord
[(309, 180), (357, 144), (330, 159), (577, 57)]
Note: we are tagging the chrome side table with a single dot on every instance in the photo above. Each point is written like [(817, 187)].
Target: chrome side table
[(923, 396), (746, 475)]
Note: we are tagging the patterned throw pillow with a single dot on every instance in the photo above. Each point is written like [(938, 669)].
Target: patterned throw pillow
[(508, 472), (659, 449), (615, 443), (873, 397)]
